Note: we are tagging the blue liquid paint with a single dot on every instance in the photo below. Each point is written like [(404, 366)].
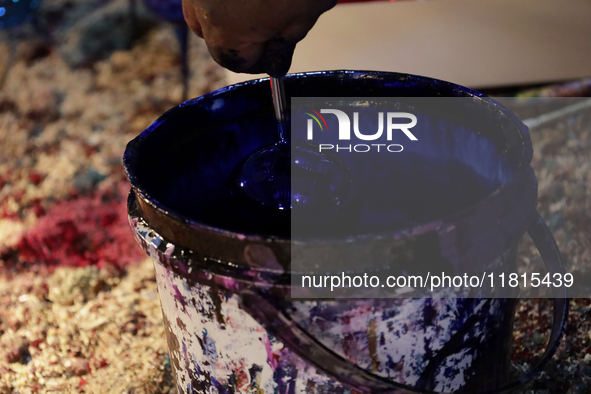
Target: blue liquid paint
[(191, 161), (197, 177), (283, 176)]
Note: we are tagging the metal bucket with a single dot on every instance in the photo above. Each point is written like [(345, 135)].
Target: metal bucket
[(223, 268)]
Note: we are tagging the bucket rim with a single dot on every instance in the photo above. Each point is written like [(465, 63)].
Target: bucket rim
[(148, 202)]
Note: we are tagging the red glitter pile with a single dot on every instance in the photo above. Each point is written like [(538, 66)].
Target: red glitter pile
[(86, 230)]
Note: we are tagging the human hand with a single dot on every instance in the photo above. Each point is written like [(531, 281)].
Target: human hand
[(253, 36)]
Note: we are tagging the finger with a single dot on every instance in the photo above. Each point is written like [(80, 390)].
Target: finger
[(276, 57), (278, 53), (253, 42), (237, 57), (231, 44), (260, 53)]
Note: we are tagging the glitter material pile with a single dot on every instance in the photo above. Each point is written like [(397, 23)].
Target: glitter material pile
[(79, 309), (88, 230)]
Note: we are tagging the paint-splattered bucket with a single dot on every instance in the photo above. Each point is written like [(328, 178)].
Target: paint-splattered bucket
[(223, 267)]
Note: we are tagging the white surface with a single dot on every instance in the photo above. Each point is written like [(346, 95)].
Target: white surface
[(476, 43)]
